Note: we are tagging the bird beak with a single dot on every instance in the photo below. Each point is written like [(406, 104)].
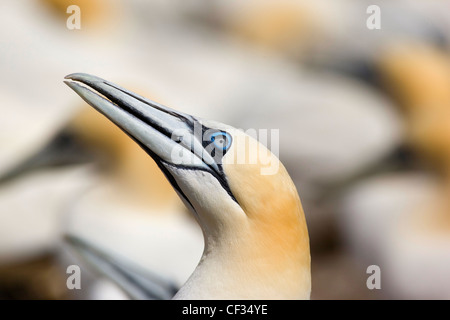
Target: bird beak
[(171, 138), (136, 282), (168, 136)]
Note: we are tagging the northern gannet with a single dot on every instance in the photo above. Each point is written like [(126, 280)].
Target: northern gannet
[(418, 75), (400, 222), (255, 232)]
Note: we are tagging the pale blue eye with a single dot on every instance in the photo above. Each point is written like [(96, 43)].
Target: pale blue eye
[(222, 140)]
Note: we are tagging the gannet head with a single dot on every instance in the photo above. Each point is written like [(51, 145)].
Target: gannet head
[(256, 239)]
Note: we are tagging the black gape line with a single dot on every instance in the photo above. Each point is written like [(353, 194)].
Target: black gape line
[(219, 176), (186, 119)]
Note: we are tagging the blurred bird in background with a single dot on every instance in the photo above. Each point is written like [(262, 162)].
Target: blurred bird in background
[(366, 110)]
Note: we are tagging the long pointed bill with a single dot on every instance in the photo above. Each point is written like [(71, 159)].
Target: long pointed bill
[(135, 281), (167, 135)]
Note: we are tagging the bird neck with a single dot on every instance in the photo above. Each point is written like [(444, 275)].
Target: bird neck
[(257, 248), (251, 262)]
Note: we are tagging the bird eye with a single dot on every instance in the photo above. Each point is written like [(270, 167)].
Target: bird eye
[(221, 140)]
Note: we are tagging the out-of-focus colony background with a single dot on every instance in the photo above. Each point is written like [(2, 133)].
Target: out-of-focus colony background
[(364, 120)]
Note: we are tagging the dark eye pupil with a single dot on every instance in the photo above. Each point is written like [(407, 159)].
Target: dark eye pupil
[(216, 139), (220, 140)]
